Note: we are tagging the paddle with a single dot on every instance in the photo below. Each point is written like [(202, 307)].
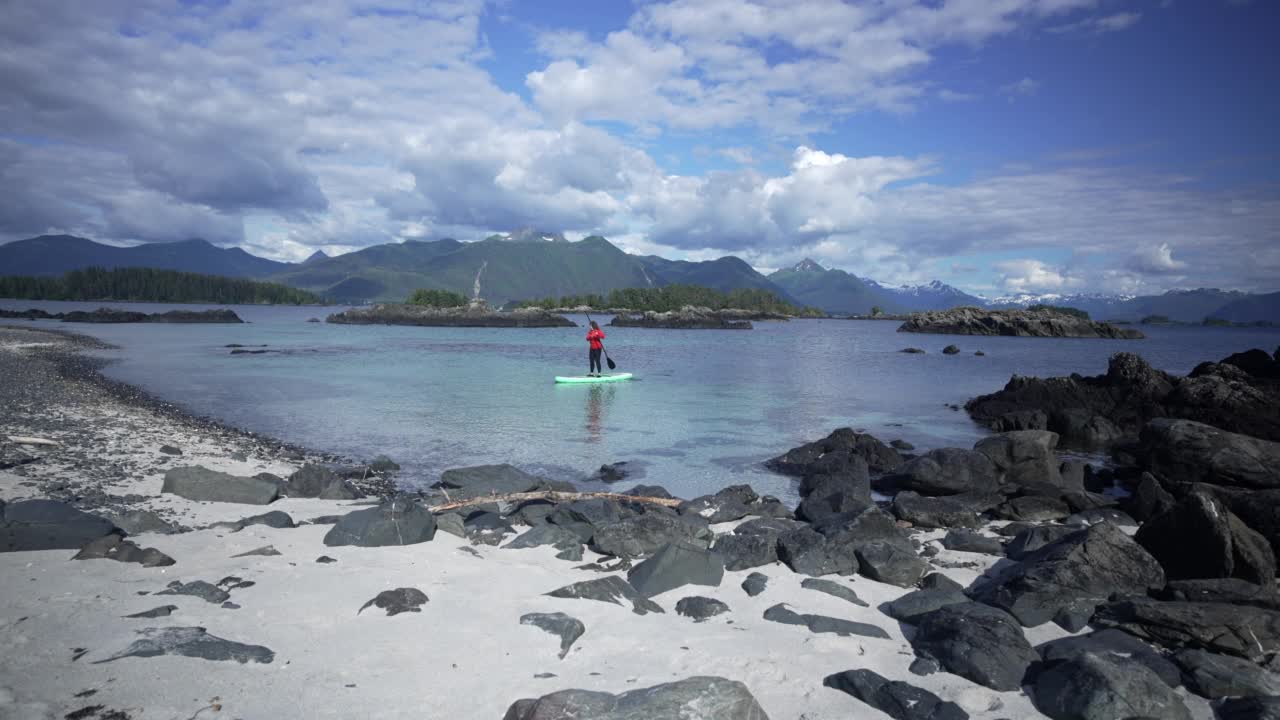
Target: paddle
[(607, 359)]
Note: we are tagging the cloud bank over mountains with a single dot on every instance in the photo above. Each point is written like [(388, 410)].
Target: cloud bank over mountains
[(341, 124)]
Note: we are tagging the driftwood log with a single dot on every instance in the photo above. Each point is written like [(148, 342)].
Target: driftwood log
[(555, 496)]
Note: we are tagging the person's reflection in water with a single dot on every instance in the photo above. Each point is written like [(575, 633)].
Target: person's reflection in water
[(598, 399)]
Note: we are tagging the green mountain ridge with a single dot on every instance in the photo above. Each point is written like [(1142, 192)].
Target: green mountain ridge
[(835, 291)]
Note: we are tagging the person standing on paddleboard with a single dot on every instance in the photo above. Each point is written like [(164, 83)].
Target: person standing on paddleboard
[(594, 336)]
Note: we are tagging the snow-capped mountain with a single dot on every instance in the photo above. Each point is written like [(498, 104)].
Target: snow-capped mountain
[(529, 235), (1029, 299), (934, 295)]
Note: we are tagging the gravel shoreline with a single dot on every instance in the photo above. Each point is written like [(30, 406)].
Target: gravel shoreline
[(54, 388)]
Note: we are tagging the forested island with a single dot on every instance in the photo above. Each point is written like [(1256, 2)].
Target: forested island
[(151, 285), (669, 298)]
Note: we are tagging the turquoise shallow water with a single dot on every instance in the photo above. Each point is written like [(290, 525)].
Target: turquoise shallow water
[(706, 407)]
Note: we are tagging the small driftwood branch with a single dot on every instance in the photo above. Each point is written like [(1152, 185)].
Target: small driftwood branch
[(21, 440), (556, 496)]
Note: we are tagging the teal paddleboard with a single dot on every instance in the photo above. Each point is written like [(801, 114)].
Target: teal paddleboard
[(613, 377)]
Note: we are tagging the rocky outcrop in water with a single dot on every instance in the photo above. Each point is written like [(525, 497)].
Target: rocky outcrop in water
[(686, 318), (1015, 323), (478, 316), (115, 316), (1106, 409)]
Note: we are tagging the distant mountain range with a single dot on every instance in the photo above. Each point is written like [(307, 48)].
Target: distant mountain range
[(1190, 306), (532, 264), (57, 254), (838, 291)]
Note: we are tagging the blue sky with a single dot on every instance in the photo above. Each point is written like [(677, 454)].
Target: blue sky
[(1001, 146)]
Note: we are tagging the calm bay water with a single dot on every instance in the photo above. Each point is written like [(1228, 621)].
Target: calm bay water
[(706, 408)]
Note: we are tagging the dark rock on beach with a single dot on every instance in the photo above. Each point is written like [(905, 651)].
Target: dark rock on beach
[(201, 484), (966, 541), (567, 628), (1216, 676), (1117, 646), (1200, 538), (714, 698), (136, 522), (780, 613), (610, 589), (898, 700), (1019, 323), (700, 608), (1221, 590), (1245, 631), (675, 565), (1097, 687), (1070, 577), (547, 534), (642, 535), (833, 589), (394, 522), (978, 642), (911, 607), (192, 642), (156, 612), (833, 455), (753, 543), (482, 480), (947, 471), (891, 563), (317, 481), (397, 601), (933, 512), (1187, 451), (465, 316), (274, 519), (48, 525), (755, 584), (114, 547), (197, 588), (1248, 708)]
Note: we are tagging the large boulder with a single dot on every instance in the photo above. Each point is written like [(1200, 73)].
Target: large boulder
[(890, 563), (1066, 580), (947, 471), (933, 512), (1245, 631), (675, 565), (482, 480), (833, 455), (568, 543), (1200, 538), (911, 607), (1187, 451), (729, 504), (318, 481), (1148, 499), (1115, 645), (978, 642), (48, 525), (394, 522), (1248, 708), (1215, 676), (703, 698), (205, 485), (1024, 457), (1097, 687), (753, 543), (898, 700), (642, 535), (1221, 590), (806, 551)]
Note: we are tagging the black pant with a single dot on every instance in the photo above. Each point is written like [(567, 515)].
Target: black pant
[(595, 360)]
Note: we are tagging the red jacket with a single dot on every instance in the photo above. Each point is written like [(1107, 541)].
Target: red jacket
[(594, 337)]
